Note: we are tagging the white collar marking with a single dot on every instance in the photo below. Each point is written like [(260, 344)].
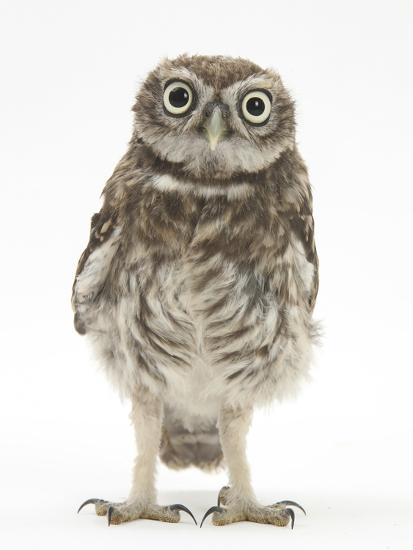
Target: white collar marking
[(165, 182)]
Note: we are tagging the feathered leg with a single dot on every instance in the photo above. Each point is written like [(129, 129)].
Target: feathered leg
[(146, 415), (238, 502)]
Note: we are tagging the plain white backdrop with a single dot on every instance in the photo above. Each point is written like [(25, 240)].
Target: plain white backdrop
[(343, 448)]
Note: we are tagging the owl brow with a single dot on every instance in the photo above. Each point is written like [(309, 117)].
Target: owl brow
[(262, 83), (250, 84), (180, 74)]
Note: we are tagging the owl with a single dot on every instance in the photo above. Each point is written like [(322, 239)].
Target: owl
[(197, 287)]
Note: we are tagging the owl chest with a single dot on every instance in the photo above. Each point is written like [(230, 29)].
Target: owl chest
[(201, 323), (185, 294), (194, 310), (179, 316)]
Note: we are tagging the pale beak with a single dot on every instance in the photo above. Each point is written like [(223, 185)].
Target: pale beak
[(215, 128)]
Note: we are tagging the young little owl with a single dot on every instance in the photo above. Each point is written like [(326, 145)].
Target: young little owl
[(199, 280)]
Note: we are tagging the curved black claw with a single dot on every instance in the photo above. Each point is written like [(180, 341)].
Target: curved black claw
[(91, 501), (110, 512), (292, 503), (211, 511), (292, 516), (183, 508)]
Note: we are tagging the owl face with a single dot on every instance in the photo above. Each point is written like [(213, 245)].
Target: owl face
[(215, 116)]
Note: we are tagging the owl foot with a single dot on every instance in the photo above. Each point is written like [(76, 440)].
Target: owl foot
[(233, 510), (117, 512)]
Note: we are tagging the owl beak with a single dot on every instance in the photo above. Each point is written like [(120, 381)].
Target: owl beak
[(215, 128)]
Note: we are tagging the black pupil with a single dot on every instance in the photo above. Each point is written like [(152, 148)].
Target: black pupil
[(255, 106), (178, 97)]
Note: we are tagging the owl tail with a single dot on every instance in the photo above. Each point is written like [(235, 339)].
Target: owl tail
[(181, 448)]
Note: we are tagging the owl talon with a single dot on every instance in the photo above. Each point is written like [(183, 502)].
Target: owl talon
[(121, 512), (292, 503), (110, 512), (211, 511), (92, 501), (291, 513), (183, 508)]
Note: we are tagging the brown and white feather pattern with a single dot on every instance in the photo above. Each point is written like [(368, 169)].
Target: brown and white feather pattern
[(201, 288)]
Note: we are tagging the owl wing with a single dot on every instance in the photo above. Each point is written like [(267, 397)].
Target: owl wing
[(94, 263), (301, 224)]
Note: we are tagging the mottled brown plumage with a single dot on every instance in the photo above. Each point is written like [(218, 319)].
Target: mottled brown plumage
[(199, 280)]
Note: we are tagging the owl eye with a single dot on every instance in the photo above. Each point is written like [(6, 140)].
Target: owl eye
[(256, 107), (178, 98)]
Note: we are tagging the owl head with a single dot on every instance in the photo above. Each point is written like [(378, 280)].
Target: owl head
[(214, 116)]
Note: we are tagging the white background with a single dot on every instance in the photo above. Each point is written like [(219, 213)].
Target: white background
[(69, 72)]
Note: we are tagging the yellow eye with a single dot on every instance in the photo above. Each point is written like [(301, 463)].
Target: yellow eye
[(177, 98), (256, 107)]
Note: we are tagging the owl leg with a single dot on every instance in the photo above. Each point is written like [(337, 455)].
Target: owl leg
[(237, 502), (147, 415)]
